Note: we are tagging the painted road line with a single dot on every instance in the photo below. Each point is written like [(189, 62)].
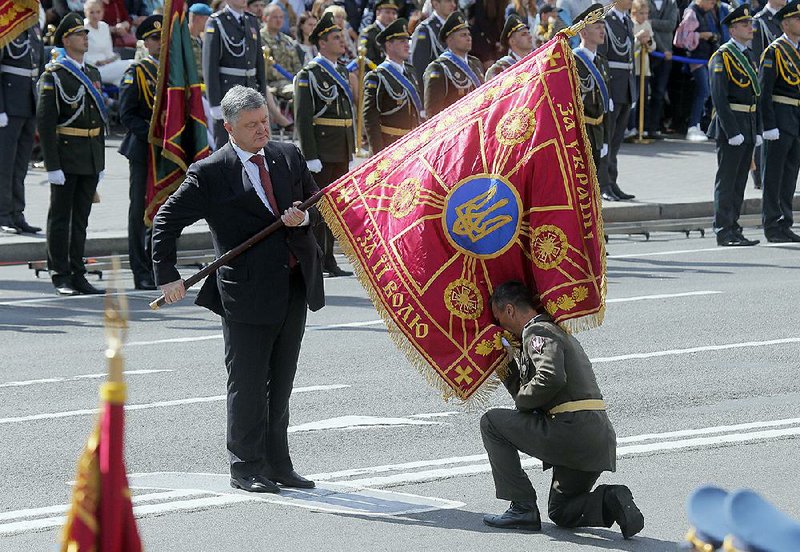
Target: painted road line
[(147, 406), (686, 251), (73, 298), (709, 430), (357, 422), (692, 350), (76, 378), (661, 296)]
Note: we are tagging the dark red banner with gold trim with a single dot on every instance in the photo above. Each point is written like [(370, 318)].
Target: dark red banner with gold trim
[(16, 16), (499, 186)]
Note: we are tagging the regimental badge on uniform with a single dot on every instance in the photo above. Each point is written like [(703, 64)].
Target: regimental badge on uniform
[(536, 343)]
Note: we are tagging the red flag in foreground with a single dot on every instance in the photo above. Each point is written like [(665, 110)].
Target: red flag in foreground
[(100, 518), (178, 130), (16, 16), (499, 186)]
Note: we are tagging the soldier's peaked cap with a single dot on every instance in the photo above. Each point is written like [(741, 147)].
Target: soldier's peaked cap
[(759, 526), (742, 13), (396, 29), (513, 24), (704, 508), (791, 9), (149, 27), (71, 23), (390, 4), (324, 26), (584, 14), (455, 22)]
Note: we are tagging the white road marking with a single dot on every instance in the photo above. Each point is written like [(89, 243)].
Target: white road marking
[(436, 414), (78, 377), (703, 349), (661, 296), (357, 422), (685, 251), (147, 406), (73, 298)]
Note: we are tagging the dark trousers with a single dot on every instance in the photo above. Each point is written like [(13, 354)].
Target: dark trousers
[(659, 80), (67, 219), (261, 361), (220, 134), (600, 163), (330, 172), (16, 145), (618, 120), (571, 503), (139, 236), (781, 165), (733, 169)]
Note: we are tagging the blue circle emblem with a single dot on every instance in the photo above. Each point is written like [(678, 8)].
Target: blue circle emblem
[(482, 216)]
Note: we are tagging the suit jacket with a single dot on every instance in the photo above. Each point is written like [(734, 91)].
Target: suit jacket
[(727, 123), (17, 92), (254, 287)]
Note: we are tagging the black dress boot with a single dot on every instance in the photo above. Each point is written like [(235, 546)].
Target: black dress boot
[(521, 515)]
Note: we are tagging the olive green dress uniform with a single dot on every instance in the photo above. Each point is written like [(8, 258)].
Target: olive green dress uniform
[(445, 81), (389, 108), (779, 106), (598, 127), (513, 24), (283, 50), (425, 44), (72, 136), (734, 93), (324, 121), (560, 419), (766, 28)]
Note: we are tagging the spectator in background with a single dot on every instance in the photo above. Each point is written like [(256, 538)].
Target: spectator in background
[(282, 52), (487, 18), (289, 15), (256, 7), (573, 7), (527, 10), (63, 7), (340, 19), (319, 7), (153, 6), (137, 11), (101, 48), (642, 46), (663, 20), (307, 51), (116, 15), (701, 42), (549, 24)]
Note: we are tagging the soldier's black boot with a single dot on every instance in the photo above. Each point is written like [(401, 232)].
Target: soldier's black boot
[(618, 506), (521, 515)]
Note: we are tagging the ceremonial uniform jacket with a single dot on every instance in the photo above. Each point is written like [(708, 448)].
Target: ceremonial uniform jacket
[(780, 82), (425, 45), (766, 28), (232, 55), (368, 39), (323, 114), (446, 83), (21, 63), (136, 100), (618, 50), (733, 96), (65, 110), (594, 111), (389, 110), (501, 65), (551, 370), (283, 50)]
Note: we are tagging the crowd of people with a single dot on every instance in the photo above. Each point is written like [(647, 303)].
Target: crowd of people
[(322, 65)]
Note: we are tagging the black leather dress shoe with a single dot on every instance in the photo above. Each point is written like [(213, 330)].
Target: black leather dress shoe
[(80, 283), (336, 271), (65, 289), (521, 515), (791, 235), (23, 227), (744, 241), (145, 283), (254, 484), (620, 194), (609, 195), (8, 229), (292, 479), (618, 501), (778, 237), (729, 240)]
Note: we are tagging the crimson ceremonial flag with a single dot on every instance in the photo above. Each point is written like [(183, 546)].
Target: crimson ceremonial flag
[(16, 16), (178, 130), (499, 186), (100, 517)]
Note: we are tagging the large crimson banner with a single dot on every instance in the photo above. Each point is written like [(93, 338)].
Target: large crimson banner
[(16, 16), (499, 186)]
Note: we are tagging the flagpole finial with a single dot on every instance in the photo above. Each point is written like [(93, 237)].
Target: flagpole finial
[(115, 315), (593, 17)]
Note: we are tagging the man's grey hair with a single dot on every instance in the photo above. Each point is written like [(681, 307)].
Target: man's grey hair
[(238, 99)]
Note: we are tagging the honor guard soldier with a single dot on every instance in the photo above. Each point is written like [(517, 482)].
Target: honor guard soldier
[(618, 50), (231, 55), (780, 113), (425, 43), (766, 27), (593, 77), (198, 17), (517, 39), (283, 51), (735, 125), (392, 104), (71, 118), (21, 63), (385, 14), (455, 73), (323, 115), (136, 100)]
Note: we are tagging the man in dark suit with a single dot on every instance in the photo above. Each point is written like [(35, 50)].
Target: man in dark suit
[(261, 295)]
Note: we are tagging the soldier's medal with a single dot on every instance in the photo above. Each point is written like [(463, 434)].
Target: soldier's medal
[(536, 343)]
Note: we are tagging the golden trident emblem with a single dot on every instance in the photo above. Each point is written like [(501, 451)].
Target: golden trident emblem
[(472, 216)]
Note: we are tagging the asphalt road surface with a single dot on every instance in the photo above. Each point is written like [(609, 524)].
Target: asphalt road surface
[(697, 359)]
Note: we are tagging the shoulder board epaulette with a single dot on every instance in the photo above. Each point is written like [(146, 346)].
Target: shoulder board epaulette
[(216, 14)]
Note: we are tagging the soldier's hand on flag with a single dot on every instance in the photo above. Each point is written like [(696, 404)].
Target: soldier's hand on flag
[(173, 291), (293, 216)]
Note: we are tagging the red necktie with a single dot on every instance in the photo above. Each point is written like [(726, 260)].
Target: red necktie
[(266, 183)]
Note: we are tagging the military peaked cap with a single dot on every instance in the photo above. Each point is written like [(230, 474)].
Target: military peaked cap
[(584, 14), (390, 4), (149, 27), (792, 9), (513, 24), (742, 13), (71, 23), (324, 26), (396, 29), (455, 22)]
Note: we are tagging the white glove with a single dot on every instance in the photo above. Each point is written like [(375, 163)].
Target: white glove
[(56, 177), (216, 112), (604, 151), (773, 134), (314, 165), (3, 120), (352, 164), (759, 140), (737, 140), (100, 176), (610, 104)]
